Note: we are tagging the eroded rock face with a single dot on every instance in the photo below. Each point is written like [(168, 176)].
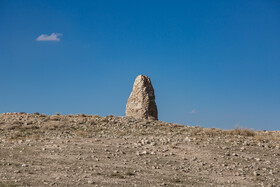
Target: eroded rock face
[(141, 102)]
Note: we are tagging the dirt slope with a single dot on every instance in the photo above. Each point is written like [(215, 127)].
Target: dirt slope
[(85, 150)]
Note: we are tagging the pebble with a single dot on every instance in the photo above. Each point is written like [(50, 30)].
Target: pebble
[(258, 159), (91, 182)]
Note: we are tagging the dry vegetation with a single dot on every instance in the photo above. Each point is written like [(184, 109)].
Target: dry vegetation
[(86, 150)]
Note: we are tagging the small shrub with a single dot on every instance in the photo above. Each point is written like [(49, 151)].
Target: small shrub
[(195, 131), (247, 132), (210, 131), (17, 135), (129, 173), (175, 180), (6, 185), (92, 122), (53, 125), (117, 175), (241, 131), (35, 137), (259, 137), (81, 133)]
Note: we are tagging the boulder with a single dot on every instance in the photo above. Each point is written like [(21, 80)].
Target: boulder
[(141, 102)]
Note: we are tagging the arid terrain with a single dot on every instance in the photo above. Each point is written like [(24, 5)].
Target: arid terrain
[(86, 150)]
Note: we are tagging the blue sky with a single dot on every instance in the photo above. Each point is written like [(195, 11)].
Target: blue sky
[(212, 63)]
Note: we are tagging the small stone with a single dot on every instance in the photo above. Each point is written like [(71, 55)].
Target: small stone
[(194, 158), (145, 152), (91, 182), (258, 159)]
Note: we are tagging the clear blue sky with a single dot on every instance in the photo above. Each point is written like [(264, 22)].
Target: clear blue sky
[(212, 63)]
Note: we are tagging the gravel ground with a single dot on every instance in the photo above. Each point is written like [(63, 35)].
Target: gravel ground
[(86, 150)]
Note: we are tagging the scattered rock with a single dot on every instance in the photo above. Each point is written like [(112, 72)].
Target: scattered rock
[(91, 182), (24, 165)]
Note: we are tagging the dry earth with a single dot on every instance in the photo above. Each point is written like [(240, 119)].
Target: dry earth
[(86, 150)]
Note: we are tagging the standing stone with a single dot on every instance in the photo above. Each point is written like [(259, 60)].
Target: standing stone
[(141, 102)]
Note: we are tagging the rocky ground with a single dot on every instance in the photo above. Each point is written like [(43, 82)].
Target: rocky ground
[(85, 150)]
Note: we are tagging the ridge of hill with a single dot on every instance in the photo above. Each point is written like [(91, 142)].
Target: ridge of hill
[(89, 150)]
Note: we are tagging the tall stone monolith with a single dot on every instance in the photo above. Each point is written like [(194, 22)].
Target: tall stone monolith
[(141, 102)]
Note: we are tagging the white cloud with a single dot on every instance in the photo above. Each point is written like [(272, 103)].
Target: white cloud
[(52, 37), (193, 111)]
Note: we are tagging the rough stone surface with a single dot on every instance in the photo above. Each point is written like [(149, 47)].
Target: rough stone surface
[(141, 102)]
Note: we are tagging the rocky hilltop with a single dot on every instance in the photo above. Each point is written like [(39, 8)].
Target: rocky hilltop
[(87, 150)]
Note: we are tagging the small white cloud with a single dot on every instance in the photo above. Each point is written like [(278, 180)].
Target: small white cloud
[(193, 111), (52, 37)]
